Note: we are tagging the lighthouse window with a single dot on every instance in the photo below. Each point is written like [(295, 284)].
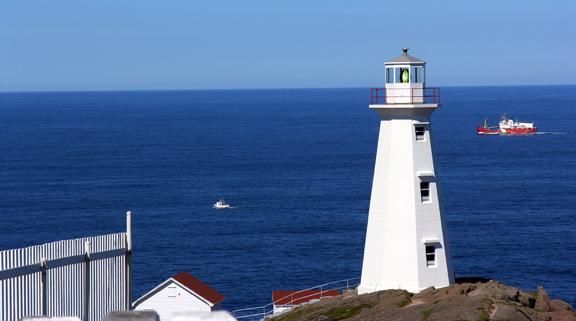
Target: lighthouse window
[(402, 75), (430, 255), (389, 75), (425, 191), (420, 133), (172, 291), (417, 75)]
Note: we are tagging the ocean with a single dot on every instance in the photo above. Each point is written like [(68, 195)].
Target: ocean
[(297, 167)]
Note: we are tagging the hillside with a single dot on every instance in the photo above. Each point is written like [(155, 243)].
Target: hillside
[(480, 301)]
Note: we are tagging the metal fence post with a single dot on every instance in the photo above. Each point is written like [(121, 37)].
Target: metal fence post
[(87, 250), (128, 259), (44, 291)]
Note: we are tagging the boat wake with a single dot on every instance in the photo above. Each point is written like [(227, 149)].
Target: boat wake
[(551, 133)]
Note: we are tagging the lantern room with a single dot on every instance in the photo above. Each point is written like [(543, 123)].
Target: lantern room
[(405, 79)]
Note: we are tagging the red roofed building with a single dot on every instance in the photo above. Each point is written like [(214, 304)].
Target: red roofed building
[(180, 293), (286, 299)]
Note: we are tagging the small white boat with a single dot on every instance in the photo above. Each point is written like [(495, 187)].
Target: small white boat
[(221, 204)]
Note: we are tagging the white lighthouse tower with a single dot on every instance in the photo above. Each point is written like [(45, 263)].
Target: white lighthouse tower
[(406, 246)]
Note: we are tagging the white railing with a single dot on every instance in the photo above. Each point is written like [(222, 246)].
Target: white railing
[(84, 278), (323, 290)]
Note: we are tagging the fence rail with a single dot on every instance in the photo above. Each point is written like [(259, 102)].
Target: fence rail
[(261, 312), (85, 278)]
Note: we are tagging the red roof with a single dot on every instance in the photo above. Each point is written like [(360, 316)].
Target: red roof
[(199, 287), (288, 297)]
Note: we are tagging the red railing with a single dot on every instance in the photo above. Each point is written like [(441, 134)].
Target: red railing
[(382, 96), (295, 298)]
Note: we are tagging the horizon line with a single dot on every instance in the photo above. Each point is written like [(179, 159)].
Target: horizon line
[(47, 91)]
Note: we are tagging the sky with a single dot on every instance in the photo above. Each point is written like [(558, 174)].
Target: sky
[(61, 45)]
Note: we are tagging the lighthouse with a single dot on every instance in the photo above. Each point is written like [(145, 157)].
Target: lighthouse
[(406, 246)]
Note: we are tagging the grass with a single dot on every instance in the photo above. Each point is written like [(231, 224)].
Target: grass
[(484, 316), (426, 314), (341, 313), (334, 314), (407, 300)]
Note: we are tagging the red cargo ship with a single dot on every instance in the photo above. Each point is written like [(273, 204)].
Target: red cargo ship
[(507, 126)]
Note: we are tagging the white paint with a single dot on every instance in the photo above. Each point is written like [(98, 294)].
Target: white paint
[(172, 298), (21, 290), (50, 319), (277, 309), (201, 316), (400, 225), (129, 231)]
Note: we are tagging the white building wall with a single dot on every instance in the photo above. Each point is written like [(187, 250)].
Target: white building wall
[(173, 300), (430, 224), (277, 309), (398, 222), (404, 93)]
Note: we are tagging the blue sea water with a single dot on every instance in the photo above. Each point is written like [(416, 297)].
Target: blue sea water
[(297, 166)]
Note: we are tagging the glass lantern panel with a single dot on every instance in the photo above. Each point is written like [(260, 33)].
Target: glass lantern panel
[(423, 73), (402, 75), (389, 75), (417, 75)]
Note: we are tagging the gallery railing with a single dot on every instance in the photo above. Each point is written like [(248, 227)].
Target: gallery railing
[(383, 96)]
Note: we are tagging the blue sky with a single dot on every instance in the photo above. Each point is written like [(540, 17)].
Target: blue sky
[(213, 44)]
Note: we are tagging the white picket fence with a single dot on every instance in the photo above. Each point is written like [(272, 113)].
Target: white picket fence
[(86, 278)]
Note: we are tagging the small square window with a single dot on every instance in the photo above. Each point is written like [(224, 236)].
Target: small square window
[(420, 133), (430, 255), (172, 291), (425, 191)]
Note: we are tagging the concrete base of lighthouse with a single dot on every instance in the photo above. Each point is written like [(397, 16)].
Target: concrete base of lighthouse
[(405, 243)]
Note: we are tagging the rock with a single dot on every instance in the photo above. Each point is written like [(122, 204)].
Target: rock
[(561, 311), (504, 293), (559, 305), (426, 292), (543, 316), (480, 301), (542, 302), (503, 311), (143, 315), (542, 306)]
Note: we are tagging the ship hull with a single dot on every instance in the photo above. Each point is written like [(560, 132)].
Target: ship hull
[(487, 131), (519, 131)]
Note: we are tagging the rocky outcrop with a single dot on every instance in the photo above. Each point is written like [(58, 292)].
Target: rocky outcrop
[(480, 301)]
